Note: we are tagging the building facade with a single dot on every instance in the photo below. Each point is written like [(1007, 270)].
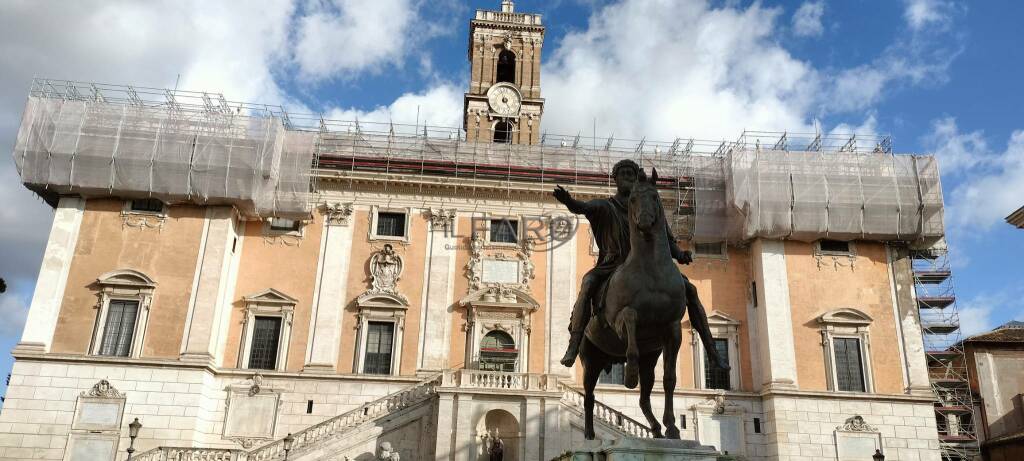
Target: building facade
[(995, 359), (233, 278)]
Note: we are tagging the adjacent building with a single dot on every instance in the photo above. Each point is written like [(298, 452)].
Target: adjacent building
[(231, 274), (996, 360)]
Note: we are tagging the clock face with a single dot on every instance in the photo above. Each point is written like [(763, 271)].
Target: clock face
[(504, 100)]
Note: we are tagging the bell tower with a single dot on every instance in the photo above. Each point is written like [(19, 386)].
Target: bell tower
[(503, 103)]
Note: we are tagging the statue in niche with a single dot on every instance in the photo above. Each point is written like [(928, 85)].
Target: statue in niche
[(386, 268)]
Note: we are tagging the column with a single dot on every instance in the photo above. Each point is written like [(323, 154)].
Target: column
[(562, 290), (331, 288), (211, 286), (438, 287), (53, 276), (908, 322), (774, 315)]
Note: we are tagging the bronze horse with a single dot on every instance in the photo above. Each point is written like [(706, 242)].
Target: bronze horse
[(644, 302)]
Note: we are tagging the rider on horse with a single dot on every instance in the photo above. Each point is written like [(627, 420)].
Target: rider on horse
[(609, 221)]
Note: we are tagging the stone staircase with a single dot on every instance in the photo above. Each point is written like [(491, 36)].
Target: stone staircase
[(329, 435)]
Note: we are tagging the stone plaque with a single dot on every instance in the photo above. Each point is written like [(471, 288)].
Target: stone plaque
[(89, 447), (251, 416), (500, 271), (856, 446), (724, 432), (99, 414)]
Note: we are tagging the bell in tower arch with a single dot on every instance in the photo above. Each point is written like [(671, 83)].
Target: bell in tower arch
[(506, 71)]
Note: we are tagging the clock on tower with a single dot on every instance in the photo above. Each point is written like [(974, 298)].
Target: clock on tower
[(503, 103)]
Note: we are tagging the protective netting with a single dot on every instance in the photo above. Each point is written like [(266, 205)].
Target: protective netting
[(812, 195), (95, 148), (184, 147)]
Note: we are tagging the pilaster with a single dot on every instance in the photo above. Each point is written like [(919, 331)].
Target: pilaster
[(438, 287), (774, 315), (331, 286), (53, 276), (561, 296), (908, 321), (212, 279)]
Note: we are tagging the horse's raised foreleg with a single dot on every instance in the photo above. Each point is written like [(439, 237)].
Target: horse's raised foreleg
[(647, 364), (673, 338), (593, 362), (626, 328)]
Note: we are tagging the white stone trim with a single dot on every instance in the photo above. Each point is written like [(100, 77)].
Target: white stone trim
[(723, 255), (371, 312), (268, 303), (774, 315), (438, 284), (143, 219), (722, 327), (123, 285), (325, 324), (372, 231), (499, 308), (53, 276), (846, 323), (488, 217)]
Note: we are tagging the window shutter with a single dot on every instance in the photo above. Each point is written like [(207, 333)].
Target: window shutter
[(849, 366), (119, 328)]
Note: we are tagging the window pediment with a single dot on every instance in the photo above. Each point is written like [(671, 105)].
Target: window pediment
[(845, 316), (500, 297), (126, 278), (720, 319), (270, 297), (382, 301)]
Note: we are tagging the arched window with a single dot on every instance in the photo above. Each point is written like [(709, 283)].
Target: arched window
[(503, 132), (498, 352), (506, 67)]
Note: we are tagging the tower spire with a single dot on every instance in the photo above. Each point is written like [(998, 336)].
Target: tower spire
[(507, 6)]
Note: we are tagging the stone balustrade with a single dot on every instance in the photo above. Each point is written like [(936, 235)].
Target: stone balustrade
[(514, 18), (480, 379), (190, 454), (608, 415)]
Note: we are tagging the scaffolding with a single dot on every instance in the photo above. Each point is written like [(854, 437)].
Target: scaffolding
[(92, 139), (955, 405)]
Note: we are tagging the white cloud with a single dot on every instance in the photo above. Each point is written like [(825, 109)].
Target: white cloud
[(976, 318), (985, 185), (344, 36), (978, 315), (922, 13), (666, 69), (440, 105), (14, 309), (807, 19)]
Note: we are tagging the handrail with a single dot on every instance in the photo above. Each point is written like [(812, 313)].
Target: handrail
[(606, 414), (395, 401)]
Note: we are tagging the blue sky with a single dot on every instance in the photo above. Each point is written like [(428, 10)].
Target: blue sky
[(940, 76)]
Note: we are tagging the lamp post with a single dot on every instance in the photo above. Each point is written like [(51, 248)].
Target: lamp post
[(878, 456), (288, 441), (133, 432)]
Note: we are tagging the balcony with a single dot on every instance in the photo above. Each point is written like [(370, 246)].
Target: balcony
[(498, 380)]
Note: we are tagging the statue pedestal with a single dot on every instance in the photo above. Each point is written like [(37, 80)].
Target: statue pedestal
[(643, 450)]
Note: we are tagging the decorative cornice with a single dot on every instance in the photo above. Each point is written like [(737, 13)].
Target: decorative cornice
[(441, 219)]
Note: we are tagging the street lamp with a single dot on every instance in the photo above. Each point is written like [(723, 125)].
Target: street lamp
[(288, 441), (133, 432), (878, 456)]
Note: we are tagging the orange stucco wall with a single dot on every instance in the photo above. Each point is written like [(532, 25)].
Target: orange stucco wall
[(815, 290), (166, 255), (285, 264), (411, 285)]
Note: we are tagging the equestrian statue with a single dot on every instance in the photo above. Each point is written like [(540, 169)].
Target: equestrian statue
[(632, 302)]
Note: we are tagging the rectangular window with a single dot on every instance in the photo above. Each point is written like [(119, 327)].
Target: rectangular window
[(380, 339), (833, 246), (147, 205), (285, 225), (717, 378), (504, 231), (119, 328), (266, 336), (716, 249), (617, 375), (849, 365), (390, 224)]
